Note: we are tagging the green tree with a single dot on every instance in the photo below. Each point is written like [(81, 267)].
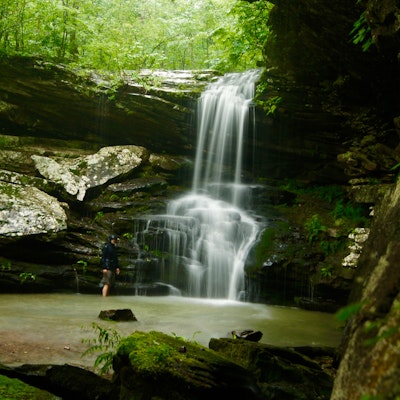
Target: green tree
[(239, 42), (132, 34)]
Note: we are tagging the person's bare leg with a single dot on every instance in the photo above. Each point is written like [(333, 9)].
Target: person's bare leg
[(105, 290)]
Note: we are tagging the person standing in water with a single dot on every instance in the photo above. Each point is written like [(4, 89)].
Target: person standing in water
[(109, 264)]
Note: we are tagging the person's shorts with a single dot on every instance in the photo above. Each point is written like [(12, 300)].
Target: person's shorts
[(108, 277)]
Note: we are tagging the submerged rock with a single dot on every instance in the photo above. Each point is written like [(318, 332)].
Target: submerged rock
[(118, 315), (247, 334)]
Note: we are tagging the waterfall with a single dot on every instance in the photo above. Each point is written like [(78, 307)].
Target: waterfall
[(209, 233)]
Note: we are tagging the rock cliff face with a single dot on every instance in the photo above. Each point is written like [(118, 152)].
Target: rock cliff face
[(334, 117), (370, 349), (74, 166), (49, 101), (351, 102)]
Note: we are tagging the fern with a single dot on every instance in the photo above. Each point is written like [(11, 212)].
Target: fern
[(105, 343), (361, 33)]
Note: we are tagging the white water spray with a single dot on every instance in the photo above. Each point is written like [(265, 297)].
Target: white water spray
[(209, 234)]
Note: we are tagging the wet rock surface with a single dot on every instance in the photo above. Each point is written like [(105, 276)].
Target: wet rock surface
[(284, 373), (118, 315)]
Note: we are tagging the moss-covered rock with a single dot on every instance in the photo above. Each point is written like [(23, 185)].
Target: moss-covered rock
[(14, 389), (65, 381), (156, 365), (281, 373)]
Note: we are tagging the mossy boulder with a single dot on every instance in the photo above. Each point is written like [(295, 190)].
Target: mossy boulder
[(282, 373), (156, 365), (62, 381), (18, 390)]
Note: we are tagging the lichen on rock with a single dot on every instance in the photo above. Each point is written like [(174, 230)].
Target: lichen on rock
[(26, 210), (78, 175)]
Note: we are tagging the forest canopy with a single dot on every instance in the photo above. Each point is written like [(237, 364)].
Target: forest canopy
[(113, 35)]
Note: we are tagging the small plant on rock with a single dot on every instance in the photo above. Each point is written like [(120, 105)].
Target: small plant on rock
[(326, 272), (6, 266), (99, 216), (313, 227), (106, 342), (26, 276), (84, 264)]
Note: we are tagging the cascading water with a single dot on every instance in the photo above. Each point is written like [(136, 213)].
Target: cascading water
[(209, 234)]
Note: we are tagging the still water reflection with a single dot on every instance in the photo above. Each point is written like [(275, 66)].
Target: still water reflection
[(55, 324)]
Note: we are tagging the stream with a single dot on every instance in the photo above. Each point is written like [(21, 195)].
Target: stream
[(49, 328)]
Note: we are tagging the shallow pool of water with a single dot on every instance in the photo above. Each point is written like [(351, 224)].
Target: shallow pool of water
[(52, 326)]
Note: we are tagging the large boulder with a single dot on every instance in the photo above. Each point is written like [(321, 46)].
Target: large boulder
[(64, 381), (156, 365), (26, 210), (15, 389), (79, 175), (282, 373)]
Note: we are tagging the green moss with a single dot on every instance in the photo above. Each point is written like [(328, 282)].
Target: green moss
[(14, 389), (266, 244), (10, 190), (7, 141), (153, 353)]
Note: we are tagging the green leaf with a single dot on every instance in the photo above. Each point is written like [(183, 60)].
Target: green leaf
[(347, 312)]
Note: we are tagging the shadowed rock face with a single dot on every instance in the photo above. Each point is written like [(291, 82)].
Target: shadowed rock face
[(50, 101), (370, 353), (67, 138), (332, 94)]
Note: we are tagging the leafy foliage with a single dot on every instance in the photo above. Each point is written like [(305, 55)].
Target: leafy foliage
[(239, 41), (361, 33), (105, 343), (326, 272), (26, 277), (313, 227), (132, 34), (353, 212), (349, 311)]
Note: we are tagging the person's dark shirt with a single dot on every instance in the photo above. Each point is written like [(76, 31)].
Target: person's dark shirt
[(109, 257)]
